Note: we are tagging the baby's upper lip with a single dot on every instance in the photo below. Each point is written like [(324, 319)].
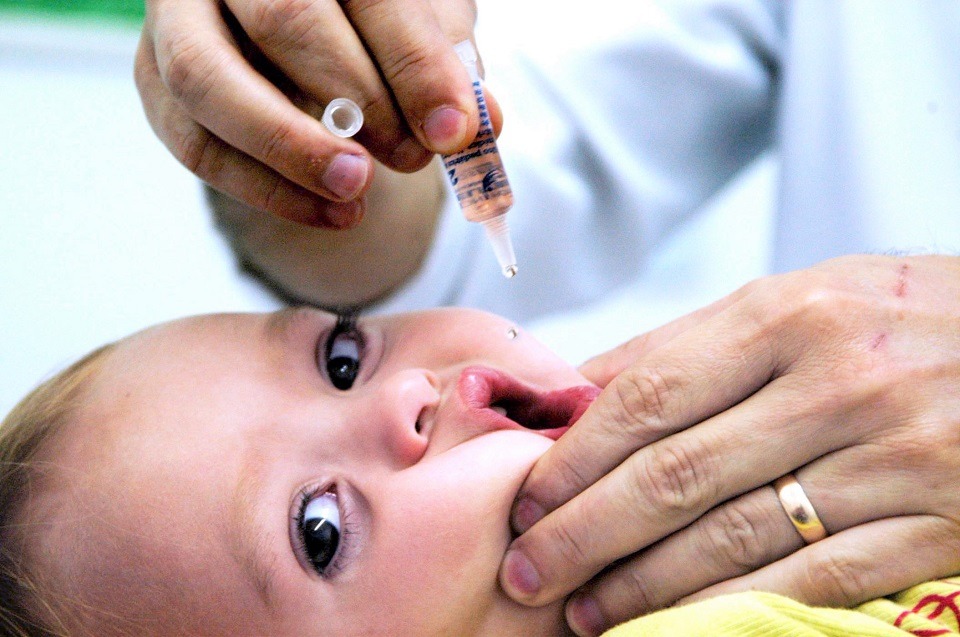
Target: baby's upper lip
[(496, 400)]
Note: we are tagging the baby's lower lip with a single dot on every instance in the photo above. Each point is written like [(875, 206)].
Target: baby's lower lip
[(574, 399), (554, 434), (506, 423), (497, 420)]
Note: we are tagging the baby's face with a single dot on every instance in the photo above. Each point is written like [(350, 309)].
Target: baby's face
[(234, 475)]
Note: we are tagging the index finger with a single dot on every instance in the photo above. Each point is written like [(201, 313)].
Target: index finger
[(415, 54)]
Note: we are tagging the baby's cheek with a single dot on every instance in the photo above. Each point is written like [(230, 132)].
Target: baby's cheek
[(436, 563), (482, 476), (445, 523)]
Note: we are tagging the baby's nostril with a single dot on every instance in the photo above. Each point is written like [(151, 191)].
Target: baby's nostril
[(418, 425)]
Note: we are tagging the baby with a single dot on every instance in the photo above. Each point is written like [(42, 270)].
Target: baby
[(286, 474), (304, 474)]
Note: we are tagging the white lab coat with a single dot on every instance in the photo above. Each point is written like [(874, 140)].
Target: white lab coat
[(622, 119)]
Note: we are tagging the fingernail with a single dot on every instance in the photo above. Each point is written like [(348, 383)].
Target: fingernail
[(343, 215), (346, 175), (520, 576), (584, 616), (526, 513), (409, 155), (445, 128)]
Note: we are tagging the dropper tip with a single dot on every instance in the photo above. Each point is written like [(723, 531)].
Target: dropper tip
[(499, 236)]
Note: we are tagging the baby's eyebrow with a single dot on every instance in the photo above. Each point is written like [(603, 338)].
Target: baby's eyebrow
[(248, 541)]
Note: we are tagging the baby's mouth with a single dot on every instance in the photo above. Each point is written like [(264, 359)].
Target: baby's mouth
[(503, 402)]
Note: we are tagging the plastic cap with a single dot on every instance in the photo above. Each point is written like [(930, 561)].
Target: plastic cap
[(342, 117)]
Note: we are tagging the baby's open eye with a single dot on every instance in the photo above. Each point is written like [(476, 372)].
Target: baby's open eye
[(342, 354), (320, 527)]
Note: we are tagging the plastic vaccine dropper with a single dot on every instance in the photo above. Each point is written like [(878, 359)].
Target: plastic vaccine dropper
[(477, 176)]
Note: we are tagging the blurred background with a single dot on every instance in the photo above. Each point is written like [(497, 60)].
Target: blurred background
[(104, 233)]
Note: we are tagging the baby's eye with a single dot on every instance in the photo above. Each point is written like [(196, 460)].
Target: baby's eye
[(320, 528), (342, 354)]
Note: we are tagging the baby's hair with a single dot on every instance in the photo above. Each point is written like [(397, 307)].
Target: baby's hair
[(27, 609)]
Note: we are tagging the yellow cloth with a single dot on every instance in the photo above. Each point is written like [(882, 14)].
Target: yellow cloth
[(927, 610)]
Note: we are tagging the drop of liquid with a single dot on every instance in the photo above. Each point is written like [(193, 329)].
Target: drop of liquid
[(512, 333), (510, 271)]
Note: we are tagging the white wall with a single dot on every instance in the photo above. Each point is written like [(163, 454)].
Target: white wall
[(103, 232)]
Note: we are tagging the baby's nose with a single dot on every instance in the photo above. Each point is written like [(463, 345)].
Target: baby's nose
[(407, 403)]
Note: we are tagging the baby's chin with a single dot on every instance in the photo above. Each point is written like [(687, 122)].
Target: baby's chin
[(491, 468), (528, 447)]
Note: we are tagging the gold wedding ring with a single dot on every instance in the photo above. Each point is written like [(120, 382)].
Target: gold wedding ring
[(798, 508)]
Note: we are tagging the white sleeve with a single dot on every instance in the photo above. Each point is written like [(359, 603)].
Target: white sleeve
[(619, 124)]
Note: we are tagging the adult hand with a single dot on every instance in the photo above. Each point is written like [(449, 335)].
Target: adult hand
[(233, 90), (845, 375)]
